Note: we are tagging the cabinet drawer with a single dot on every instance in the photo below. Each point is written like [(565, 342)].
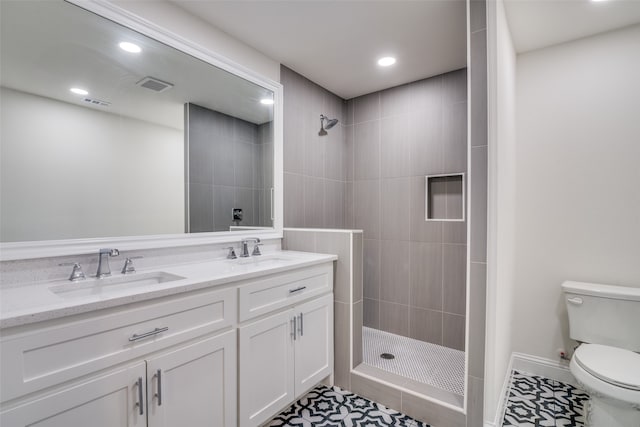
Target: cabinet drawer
[(47, 356), (266, 295)]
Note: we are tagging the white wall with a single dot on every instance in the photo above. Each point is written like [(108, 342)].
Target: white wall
[(180, 22), (578, 179), (502, 205), (69, 171), (564, 185)]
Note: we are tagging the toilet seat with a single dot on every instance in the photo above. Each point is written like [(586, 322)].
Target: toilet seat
[(615, 366), (595, 385)]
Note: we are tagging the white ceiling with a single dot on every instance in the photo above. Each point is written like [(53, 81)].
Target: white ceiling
[(51, 46), (336, 43), (535, 24)]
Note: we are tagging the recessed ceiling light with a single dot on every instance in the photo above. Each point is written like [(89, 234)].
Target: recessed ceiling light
[(79, 91), (598, 1), (130, 47), (266, 101), (386, 61)]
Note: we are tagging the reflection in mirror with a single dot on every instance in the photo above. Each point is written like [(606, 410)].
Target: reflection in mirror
[(241, 176), (106, 133)]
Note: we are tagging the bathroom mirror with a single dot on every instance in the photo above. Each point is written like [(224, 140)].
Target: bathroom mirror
[(109, 133)]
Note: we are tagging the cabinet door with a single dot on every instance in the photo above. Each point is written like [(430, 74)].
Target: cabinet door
[(194, 385), (266, 368), (111, 400), (314, 345)]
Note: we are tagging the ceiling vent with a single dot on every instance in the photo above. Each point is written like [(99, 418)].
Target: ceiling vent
[(97, 102), (154, 84)]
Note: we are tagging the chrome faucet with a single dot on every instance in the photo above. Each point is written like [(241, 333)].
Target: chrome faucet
[(244, 251), (103, 262), (77, 273), (128, 267)]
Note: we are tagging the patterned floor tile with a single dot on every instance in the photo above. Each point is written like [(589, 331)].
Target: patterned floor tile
[(570, 405), (540, 402), (332, 407)]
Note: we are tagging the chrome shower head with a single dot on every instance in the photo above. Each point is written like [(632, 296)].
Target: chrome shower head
[(326, 123), (329, 123)]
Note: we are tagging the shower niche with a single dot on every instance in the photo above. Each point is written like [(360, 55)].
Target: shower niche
[(445, 197)]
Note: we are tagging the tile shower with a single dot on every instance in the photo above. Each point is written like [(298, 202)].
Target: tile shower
[(371, 169), (229, 167), (414, 270)]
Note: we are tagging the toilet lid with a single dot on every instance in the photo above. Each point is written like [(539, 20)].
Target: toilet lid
[(614, 365)]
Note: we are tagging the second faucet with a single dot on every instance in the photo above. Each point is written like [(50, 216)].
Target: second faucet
[(244, 250), (103, 262)]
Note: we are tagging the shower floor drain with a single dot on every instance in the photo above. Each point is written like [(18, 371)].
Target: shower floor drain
[(387, 356)]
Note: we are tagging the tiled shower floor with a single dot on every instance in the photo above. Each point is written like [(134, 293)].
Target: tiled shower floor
[(427, 363)]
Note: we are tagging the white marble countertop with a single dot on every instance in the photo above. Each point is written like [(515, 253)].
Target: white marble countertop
[(39, 301)]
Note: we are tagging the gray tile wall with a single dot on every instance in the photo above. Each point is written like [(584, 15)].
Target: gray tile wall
[(265, 177), (230, 166), (414, 270), (478, 211), (315, 166)]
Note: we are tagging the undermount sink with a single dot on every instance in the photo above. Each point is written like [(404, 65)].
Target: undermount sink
[(108, 285), (262, 260)]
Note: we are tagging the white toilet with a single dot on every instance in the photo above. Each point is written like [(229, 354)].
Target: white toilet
[(606, 321)]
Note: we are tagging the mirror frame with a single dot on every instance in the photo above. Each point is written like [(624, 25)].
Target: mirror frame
[(51, 248)]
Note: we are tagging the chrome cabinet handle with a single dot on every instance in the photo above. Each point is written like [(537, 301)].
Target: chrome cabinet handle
[(293, 329), (159, 392), (156, 331), (301, 324), (140, 402), (301, 288), (575, 300)]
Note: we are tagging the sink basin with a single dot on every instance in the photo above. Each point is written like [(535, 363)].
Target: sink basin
[(112, 284), (263, 260)]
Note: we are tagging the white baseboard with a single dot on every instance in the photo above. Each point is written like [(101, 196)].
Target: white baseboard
[(540, 366), (504, 394)]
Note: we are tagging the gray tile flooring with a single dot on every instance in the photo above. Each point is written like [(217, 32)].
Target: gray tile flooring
[(431, 364), (332, 407), (541, 402)]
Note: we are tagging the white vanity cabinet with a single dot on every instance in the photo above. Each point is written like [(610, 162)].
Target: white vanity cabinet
[(194, 385), (109, 400), (283, 355), (155, 363), (313, 343), (227, 356), (266, 368)]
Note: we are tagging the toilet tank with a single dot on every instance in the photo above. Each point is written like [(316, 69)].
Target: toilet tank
[(603, 314)]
